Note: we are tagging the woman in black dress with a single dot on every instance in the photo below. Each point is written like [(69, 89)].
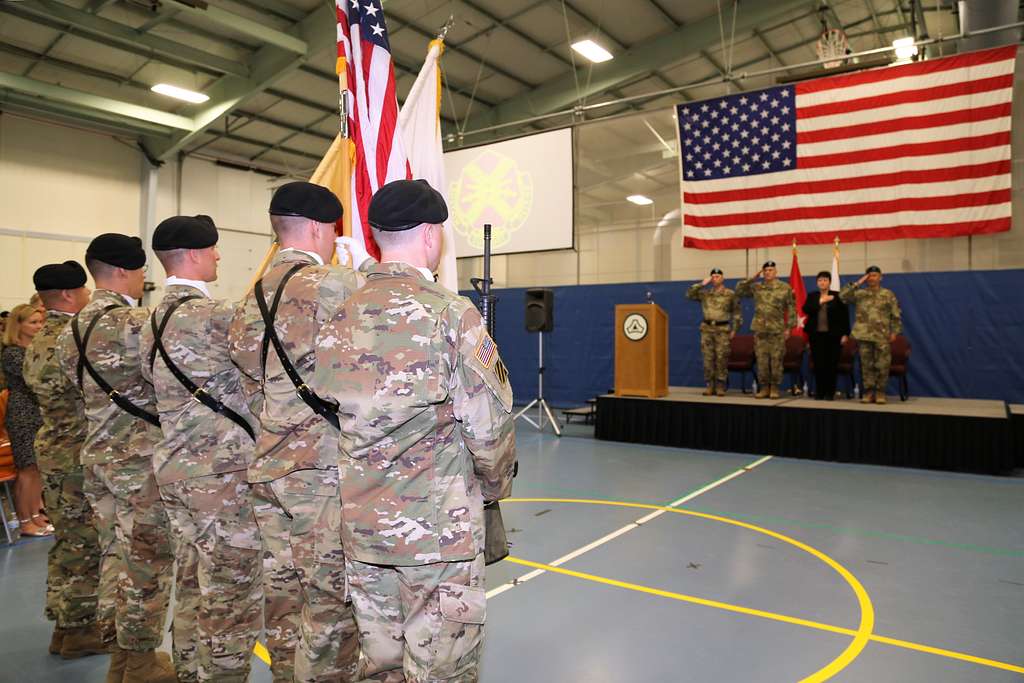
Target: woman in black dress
[(23, 419)]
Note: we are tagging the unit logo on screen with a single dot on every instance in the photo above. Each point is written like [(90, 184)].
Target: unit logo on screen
[(491, 189)]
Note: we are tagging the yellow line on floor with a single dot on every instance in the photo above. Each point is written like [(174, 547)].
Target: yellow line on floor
[(769, 615), (261, 652)]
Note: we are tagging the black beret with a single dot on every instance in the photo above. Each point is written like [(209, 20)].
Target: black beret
[(307, 200), (67, 275), (768, 264), (117, 250), (185, 232), (717, 271), (404, 204), (873, 269)]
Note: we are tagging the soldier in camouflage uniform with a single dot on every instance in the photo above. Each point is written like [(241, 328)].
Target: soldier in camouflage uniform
[(310, 628), (201, 461), (722, 318), (426, 438), (774, 305), (875, 327), (136, 563), (73, 567)]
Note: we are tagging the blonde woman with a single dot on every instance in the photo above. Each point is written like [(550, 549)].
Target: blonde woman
[(23, 420)]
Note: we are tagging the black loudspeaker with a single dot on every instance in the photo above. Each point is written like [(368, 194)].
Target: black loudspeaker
[(540, 310)]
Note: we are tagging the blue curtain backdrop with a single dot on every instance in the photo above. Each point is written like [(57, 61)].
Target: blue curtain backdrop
[(966, 329)]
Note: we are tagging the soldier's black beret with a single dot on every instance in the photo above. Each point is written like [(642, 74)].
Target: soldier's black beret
[(185, 232), (67, 275), (717, 271), (404, 204), (873, 269), (768, 264), (307, 200), (117, 250)]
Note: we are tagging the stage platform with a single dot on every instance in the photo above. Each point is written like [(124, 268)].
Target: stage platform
[(932, 433)]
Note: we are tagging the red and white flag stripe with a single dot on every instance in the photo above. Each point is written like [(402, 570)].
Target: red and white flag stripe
[(379, 154), (917, 150)]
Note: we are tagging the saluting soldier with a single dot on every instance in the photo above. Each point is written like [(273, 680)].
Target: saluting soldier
[(310, 629), (426, 438), (722, 318), (73, 562), (876, 325), (200, 464), (774, 304), (99, 352)]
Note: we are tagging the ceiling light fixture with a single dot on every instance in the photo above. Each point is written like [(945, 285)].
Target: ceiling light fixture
[(905, 48), (639, 199), (592, 51), (180, 93)]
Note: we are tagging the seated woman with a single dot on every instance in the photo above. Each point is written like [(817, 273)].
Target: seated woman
[(23, 420)]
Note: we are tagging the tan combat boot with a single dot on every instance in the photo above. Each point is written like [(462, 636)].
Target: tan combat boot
[(83, 642), (118, 662), (720, 389), (56, 640), (880, 398), (149, 666), (762, 392), (868, 397), (709, 390), (774, 393)]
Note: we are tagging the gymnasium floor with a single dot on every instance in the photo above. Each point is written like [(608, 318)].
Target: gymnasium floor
[(789, 570)]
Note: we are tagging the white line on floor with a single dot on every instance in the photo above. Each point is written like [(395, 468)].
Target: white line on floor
[(629, 527)]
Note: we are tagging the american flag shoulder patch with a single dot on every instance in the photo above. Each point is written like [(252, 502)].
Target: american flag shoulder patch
[(486, 350)]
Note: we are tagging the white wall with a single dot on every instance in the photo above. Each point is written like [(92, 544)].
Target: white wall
[(61, 186)]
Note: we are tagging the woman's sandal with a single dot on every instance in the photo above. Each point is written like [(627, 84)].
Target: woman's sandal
[(40, 530)]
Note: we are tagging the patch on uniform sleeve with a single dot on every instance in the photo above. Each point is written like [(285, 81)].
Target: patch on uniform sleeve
[(486, 351), (501, 372)]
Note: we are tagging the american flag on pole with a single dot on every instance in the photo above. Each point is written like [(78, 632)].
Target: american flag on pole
[(915, 150), (379, 155)]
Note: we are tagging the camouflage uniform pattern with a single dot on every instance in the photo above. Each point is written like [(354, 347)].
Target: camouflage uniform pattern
[(436, 611), (721, 305), (119, 481), (295, 448), (426, 437), (300, 516), (774, 304), (200, 465), (878, 317), (73, 562)]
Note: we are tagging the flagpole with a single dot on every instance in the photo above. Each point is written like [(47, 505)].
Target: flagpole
[(341, 67)]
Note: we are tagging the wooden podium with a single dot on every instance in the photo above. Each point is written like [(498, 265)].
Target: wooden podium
[(641, 350)]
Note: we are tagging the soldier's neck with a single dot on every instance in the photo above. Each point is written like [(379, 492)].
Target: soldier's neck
[(308, 246)]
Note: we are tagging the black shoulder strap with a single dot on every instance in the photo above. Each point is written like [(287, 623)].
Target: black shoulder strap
[(328, 410), (84, 364), (191, 387)]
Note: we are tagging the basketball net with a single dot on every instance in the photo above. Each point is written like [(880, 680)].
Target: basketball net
[(831, 44)]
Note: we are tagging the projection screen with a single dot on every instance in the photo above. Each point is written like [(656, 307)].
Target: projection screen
[(522, 187)]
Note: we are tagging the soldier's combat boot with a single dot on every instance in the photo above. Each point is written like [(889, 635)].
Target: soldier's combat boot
[(868, 397), (709, 389), (149, 666), (774, 393), (762, 392), (55, 640), (720, 389), (880, 398), (118, 662), (83, 642)]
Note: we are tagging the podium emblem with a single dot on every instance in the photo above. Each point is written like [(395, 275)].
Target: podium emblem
[(634, 327)]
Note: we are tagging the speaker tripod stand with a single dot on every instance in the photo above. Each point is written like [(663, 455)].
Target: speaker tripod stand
[(543, 409)]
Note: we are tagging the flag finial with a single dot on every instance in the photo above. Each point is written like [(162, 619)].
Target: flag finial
[(443, 33), (836, 242), (794, 245)]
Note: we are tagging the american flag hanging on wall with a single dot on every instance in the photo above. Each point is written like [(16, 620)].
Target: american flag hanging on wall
[(379, 155), (916, 150)]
